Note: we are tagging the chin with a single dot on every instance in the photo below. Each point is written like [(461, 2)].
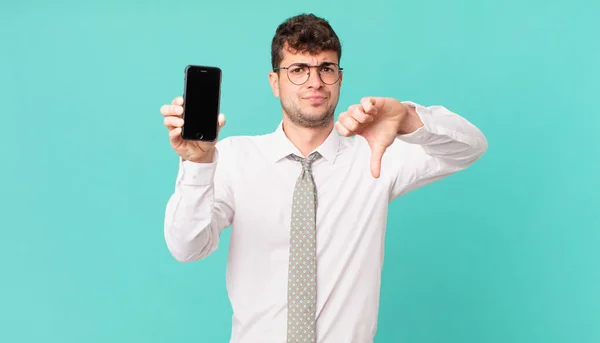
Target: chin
[(310, 116), (316, 112), (313, 118)]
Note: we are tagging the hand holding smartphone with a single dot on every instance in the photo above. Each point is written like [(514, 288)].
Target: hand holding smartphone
[(194, 120)]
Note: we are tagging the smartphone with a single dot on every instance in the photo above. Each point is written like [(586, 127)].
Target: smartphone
[(201, 103)]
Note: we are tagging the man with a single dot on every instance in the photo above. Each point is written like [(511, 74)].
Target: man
[(308, 206)]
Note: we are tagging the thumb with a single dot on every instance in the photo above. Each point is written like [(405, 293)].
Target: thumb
[(221, 120), (377, 151)]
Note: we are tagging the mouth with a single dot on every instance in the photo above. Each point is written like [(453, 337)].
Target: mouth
[(315, 99)]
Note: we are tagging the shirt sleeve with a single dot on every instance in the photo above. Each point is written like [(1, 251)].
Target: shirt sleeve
[(200, 207), (445, 144)]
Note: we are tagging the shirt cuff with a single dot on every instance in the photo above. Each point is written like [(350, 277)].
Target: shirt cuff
[(197, 174), (424, 134)]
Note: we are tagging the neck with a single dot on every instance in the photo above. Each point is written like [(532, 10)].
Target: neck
[(306, 139)]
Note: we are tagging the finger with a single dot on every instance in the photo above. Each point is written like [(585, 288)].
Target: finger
[(173, 122), (171, 110), (222, 120), (359, 115), (376, 157), (177, 101), (349, 123), (368, 105), (342, 130), (175, 136)]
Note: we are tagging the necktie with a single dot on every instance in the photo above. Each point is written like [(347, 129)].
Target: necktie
[(302, 275)]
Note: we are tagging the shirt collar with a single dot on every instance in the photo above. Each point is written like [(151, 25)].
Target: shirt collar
[(282, 147)]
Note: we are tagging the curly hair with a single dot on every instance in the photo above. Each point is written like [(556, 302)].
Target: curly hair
[(305, 33)]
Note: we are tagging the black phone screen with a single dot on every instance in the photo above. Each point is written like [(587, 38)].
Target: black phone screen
[(201, 103)]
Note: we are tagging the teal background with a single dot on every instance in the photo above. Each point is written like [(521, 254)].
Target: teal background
[(506, 251)]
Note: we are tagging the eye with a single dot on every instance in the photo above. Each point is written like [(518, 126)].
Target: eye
[(296, 69), (328, 68)]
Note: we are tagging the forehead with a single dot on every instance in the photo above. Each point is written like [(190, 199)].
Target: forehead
[(290, 57)]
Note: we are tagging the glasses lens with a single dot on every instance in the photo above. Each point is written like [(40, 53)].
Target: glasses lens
[(298, 74), (329, 73)]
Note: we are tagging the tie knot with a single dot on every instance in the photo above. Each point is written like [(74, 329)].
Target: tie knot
[(307, 162)]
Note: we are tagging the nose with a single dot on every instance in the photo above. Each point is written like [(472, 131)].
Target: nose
[(314, 80)]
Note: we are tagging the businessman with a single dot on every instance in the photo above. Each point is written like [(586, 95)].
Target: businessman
[(307, 204)]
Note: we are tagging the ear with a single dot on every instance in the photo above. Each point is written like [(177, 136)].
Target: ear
[(274, 81)]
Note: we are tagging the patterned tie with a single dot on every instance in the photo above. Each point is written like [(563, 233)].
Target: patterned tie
[(302, 279)]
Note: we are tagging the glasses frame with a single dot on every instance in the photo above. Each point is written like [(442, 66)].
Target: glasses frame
[(340, 69)]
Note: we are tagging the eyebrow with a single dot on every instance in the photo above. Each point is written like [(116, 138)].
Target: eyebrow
[(324, 62)]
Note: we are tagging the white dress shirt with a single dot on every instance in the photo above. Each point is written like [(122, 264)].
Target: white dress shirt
[(249, 187)]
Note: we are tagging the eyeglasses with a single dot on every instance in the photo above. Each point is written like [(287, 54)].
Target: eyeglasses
[(299, 73)]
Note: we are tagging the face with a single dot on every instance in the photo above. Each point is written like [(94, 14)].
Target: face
[(313, 103)]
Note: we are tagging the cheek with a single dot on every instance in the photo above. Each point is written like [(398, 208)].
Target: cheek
[(287, 92), (335, 92)]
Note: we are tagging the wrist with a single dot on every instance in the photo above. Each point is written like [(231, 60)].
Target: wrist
[(207, 157), (409, 122)]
